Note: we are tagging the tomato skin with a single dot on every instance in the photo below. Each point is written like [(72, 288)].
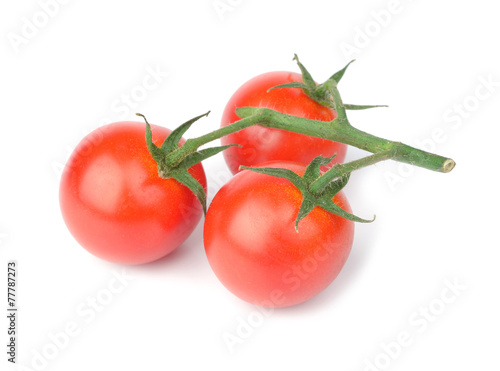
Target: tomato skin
[(254, 250), (115, 204), (260, 144)]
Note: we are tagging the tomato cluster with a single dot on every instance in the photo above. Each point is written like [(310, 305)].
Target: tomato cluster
[(278, 233)]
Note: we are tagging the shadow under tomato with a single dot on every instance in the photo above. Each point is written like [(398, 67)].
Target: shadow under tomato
[(188, 257)]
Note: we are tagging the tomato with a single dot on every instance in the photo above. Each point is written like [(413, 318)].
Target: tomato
[(115, 204), (260, 144), (253, 247)]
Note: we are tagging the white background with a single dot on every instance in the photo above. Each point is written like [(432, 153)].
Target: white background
[(69, 71)]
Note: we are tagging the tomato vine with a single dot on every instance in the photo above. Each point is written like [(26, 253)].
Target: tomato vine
[(173, 160)]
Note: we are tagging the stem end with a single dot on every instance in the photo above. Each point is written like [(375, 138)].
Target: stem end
[(448, 165)]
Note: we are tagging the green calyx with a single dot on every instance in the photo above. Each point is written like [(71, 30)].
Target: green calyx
[(326, 93), (171, 166), (317, 189)]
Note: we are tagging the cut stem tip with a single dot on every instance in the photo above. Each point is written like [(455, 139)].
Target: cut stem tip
[(448, 165)]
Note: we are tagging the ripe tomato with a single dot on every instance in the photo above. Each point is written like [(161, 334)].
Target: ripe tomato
[(260, 144), (254, 250), (115, 204)]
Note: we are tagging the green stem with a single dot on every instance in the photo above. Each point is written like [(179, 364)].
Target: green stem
[(336, 101), (399, 151), (317, 190), (192, 145), (338, 170), (338, 130)]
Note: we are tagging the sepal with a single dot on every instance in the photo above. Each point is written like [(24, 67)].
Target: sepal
[(310, 198)]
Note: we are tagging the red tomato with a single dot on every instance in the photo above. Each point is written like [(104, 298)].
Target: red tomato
[(254, 250), (115, 204), (260, 144)]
